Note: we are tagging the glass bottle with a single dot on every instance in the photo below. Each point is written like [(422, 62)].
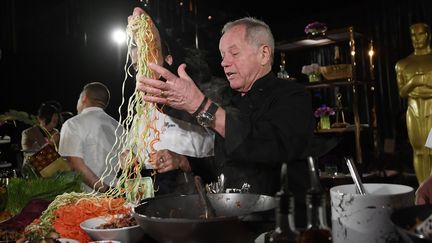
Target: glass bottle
[(282, 72), (284, 231), (317, 229)]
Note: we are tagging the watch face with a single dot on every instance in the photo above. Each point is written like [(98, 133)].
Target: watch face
[(205, 119)]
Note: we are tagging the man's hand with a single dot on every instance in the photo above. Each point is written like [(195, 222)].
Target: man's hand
[(179, 92), (166, 160), (424, 192)]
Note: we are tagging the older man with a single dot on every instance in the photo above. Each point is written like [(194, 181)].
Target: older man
[(269, 121)]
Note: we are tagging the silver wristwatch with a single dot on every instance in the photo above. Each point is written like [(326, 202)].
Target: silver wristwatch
[(206, 118)]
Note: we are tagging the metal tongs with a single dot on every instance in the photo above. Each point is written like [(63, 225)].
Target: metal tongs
[(355, 175), (218, 186)]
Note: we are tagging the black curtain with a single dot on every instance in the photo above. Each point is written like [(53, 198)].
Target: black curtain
[(392, 40)]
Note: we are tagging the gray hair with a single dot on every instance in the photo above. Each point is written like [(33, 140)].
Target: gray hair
[(257, 32)]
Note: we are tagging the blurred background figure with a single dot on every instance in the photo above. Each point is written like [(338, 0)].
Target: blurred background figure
[(414, 77), (45, 131), (87, 138)]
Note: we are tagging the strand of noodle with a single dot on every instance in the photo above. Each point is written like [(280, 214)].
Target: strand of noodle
[(139, 29)]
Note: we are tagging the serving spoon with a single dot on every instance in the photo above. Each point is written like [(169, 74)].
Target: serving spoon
[(355, 175)]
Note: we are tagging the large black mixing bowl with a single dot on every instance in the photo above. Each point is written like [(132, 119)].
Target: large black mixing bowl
[(181, 218)]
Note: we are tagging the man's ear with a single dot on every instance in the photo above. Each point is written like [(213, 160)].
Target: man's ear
[(169, 59), (265, 52), (84, 99)]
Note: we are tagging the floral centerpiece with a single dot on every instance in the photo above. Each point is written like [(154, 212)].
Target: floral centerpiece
[(313, 72), (315, 29), (324, 112)]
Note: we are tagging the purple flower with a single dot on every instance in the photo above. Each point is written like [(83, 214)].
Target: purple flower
[(324, 111), (315, 28)]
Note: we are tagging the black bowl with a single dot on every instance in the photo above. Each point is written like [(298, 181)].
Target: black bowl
[(405, 220), (180, 218)]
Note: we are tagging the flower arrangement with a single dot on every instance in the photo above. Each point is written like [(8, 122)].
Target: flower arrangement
[(315, 28), (314, 68), (324, 111)]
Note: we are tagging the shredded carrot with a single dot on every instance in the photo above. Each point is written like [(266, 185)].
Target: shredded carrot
[(68, 217)]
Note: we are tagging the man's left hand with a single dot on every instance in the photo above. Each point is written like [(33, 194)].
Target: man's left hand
[(178, 92)]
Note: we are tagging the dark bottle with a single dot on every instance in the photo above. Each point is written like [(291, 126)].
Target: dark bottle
[(317, 230), (284, 230)]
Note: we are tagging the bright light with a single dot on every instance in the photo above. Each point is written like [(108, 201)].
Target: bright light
[(371, 53), (118, 36)]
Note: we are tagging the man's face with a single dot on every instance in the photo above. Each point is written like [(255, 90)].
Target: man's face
[(419, 36), (154, 55), (241, 60), (166, 63)]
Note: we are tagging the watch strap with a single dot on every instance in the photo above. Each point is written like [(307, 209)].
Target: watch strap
[(212, 109), (201, 106)]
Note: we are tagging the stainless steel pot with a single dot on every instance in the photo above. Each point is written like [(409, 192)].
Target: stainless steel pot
[(181, 218)]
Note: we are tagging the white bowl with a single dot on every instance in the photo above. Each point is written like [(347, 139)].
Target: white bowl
[(131, 234)]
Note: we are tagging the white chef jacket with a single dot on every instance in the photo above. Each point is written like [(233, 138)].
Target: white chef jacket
[(175, 135)]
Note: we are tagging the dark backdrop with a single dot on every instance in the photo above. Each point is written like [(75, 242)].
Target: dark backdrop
[(51, 48)]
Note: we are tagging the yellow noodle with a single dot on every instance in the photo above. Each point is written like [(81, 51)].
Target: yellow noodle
[(143, 33)]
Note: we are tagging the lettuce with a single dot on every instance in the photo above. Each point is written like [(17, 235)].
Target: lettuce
[(20, 190)]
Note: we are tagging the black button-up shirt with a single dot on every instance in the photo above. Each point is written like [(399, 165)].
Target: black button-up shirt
[(271, 124)]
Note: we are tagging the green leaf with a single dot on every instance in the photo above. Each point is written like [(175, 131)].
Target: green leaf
[(20, 190)]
